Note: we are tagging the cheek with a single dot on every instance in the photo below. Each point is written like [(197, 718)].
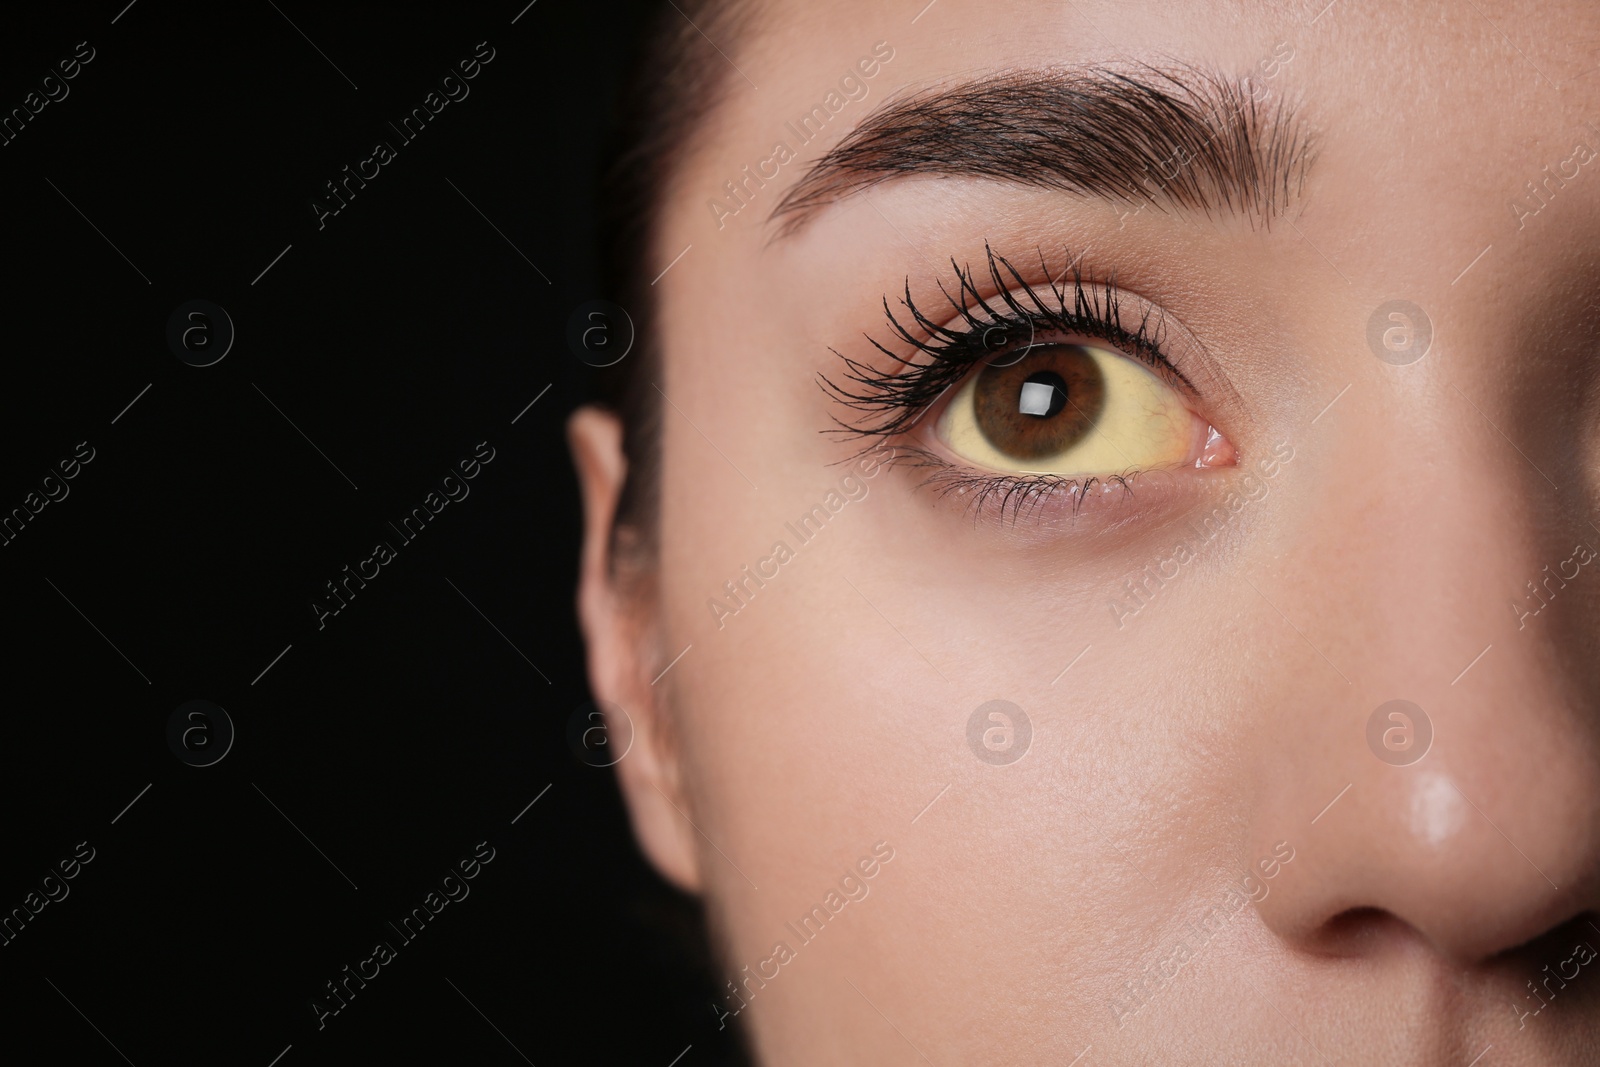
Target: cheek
[(844, 704)]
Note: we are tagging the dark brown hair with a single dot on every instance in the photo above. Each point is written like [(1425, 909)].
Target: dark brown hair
[(675, 85), (677, 81)]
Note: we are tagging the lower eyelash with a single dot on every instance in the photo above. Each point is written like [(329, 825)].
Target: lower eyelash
[(1012, 494)]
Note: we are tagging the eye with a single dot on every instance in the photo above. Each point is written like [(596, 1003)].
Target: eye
[(1072, 410)]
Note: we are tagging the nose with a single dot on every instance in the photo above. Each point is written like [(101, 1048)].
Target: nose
[(1434, 769)]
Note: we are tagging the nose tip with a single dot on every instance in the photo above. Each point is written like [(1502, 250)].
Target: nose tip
[(1470, 865), (1460, 754)]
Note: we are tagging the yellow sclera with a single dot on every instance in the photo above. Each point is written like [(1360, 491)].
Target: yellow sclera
[(1142, 424)]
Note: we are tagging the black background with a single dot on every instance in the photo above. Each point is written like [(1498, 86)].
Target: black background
[(369, 359)]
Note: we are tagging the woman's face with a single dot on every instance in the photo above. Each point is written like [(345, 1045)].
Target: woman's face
[(1352, 397)]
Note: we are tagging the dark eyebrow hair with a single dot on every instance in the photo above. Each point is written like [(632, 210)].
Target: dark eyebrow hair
[(1182, 136)]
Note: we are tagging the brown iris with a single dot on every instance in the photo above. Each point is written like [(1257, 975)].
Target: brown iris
[(1041, 404)]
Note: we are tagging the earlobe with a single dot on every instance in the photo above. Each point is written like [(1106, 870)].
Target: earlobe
[(617, 616)]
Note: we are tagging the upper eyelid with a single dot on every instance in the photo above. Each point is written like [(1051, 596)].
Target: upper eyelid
[(1123, 316), (1200, 371), (1108, 295)]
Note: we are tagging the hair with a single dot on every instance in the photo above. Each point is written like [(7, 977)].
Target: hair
[(677, 81)]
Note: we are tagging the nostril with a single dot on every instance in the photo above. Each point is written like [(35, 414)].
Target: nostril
[(1554, 971), (1361, 931), (1577, 938)]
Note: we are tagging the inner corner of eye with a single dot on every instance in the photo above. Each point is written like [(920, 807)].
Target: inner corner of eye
[(1215, 450), (1074, 410)]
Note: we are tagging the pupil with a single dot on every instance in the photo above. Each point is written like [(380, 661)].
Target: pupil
[(1041, 404), (1043, 394)]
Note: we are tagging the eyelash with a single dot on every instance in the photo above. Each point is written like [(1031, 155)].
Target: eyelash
[(891, 403)]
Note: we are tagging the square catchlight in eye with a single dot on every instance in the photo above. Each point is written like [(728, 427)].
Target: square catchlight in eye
[(1035, 398)]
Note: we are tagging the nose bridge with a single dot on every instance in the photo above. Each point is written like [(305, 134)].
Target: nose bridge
[(1461, 542), (1448, 783), (1441, 557)]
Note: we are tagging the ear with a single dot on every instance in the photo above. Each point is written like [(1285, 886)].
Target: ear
[(617, 616)]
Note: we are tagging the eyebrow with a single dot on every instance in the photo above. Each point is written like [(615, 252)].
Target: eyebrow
[(1183, 137)]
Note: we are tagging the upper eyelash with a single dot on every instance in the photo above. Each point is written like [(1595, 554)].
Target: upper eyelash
[(891, 402)]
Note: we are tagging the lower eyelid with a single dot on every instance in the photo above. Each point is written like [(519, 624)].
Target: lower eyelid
[(1048, 503)]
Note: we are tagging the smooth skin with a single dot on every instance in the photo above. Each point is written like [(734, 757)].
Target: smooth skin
[(1199, 739)]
